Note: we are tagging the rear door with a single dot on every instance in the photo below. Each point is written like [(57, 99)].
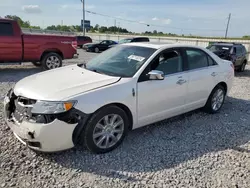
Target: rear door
[(239, 56), (10, 43), (203, 73)]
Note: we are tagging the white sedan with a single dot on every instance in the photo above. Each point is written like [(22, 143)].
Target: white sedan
[(124, 88)]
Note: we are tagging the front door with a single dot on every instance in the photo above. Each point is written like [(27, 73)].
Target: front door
[(104, 45), (161, 99), (10, 44)]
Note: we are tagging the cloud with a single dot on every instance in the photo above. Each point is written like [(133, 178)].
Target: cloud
[(76, 6), (90, 6), (64, 6), (155, 19), (33, 9), (142, 22), (166, 21), (163, 21)]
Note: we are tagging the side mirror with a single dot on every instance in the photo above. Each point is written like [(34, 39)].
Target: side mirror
[(156, 75)]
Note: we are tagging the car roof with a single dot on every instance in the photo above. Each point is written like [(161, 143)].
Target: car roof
[(160, 45), (223, 44), (227, 44), (130, 38)]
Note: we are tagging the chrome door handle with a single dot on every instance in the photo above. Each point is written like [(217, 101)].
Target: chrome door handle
[(181, 81), (214, 74)]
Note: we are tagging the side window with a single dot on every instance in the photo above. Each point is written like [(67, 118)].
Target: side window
[(243, 49), (196, 59), (169, 62), (234, 50), (238, 50), (6, 29)]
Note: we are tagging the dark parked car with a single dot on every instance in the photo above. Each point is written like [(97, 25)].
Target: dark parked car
[(81, 40), (234, 52), (97, 47), (134, 39)]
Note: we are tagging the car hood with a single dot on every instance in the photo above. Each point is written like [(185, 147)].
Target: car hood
[(61, 83)]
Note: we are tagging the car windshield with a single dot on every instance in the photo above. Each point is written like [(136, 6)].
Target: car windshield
[(121, 61), (125, 41), (216, 48)]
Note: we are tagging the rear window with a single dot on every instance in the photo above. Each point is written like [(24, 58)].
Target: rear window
[(6, 29), (216, 48)]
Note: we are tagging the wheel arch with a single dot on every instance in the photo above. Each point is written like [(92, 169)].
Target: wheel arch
[(54, 50), (125, 109), (81, 127), (224, 85)]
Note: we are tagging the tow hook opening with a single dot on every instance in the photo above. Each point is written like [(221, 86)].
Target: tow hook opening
[(31, 135)]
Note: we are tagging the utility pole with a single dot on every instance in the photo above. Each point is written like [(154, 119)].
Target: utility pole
[(229, 18), (83, 17), (115, 26)]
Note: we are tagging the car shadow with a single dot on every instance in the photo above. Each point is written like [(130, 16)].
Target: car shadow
[(246, 73), (17, 73), (166, 144)]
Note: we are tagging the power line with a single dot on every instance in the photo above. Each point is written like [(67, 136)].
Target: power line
[(116, 17), (162, 26)]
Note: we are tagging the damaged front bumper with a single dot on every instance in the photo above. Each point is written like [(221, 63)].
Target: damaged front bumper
[(55, 134)]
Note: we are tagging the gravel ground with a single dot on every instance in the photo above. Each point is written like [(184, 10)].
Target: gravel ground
[(192, 150)]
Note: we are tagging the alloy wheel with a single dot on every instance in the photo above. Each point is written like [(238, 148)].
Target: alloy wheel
[(108, 131), (218, 99), (53, 62)]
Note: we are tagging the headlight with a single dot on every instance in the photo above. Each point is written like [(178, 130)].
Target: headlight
[(49, 107)]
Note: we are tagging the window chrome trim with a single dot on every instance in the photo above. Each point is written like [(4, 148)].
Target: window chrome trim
[(193, 70)]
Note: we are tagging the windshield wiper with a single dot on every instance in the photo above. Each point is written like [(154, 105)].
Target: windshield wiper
[(82, 65), (97, 71)]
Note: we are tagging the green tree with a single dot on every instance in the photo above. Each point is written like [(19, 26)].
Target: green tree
[(25, 24), (97, 26), (103, 29)]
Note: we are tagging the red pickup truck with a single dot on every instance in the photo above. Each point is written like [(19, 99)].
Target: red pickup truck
[(47, 51)]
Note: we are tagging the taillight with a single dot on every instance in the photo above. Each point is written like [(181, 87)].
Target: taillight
[(74, 44)]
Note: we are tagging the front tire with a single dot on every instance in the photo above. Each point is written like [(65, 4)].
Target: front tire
[(97, 50), (51, 61), (215, 100), (105, 130)]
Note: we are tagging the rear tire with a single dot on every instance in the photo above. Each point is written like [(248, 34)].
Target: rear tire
[(215, 100), (100, 137), (243, 67), (51, 61)]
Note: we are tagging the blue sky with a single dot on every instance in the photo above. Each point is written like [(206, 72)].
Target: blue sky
[(197, 17)]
